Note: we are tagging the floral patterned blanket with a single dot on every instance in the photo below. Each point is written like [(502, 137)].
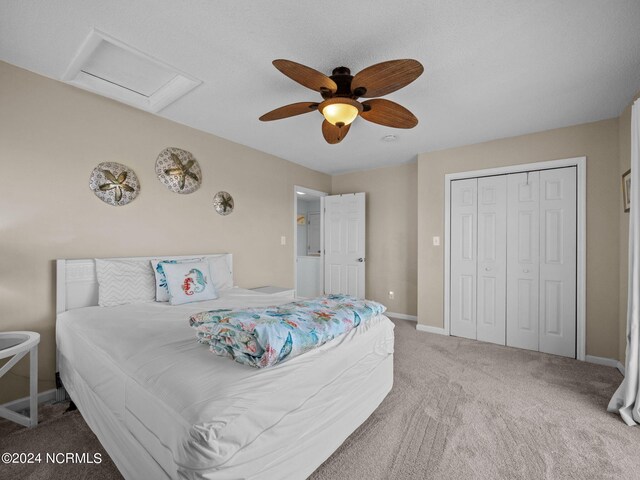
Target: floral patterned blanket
[(262, 337)]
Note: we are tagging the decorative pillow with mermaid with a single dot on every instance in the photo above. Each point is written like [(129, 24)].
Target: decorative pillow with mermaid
[(262, 337), (189, 282)]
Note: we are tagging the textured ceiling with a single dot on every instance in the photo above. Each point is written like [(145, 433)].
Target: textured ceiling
[(493, 68)]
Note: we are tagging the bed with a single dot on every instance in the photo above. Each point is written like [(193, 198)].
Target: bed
[(164, 406)]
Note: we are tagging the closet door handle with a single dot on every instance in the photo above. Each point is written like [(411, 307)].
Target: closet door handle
[(526, 270), (487, 269)]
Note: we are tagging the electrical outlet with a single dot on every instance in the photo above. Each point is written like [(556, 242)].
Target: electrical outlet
[(391, 295)]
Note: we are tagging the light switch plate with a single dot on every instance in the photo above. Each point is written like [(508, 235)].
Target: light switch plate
[(436, 241)]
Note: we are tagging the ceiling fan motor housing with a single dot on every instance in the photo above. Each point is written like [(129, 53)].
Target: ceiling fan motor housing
[(342, 77)]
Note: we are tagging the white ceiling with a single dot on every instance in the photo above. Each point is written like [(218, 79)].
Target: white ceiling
[(493, 68)]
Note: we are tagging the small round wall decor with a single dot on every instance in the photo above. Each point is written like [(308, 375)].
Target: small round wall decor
[(223, 203), (178, 170), (114, 183)]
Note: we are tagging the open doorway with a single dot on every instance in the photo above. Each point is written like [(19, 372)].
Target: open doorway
[(308, 236)]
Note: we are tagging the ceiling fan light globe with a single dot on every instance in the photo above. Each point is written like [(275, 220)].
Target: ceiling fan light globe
[(340, 111)]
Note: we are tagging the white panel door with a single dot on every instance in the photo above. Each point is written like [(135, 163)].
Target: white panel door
[(492, 259), (463, 248), (523, 232), (344, 244), (558, 261)]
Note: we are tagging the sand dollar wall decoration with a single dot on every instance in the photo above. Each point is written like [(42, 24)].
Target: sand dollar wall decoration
[(223, 203), (114, 183), (178, 170)]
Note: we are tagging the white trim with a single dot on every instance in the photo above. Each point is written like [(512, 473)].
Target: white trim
[(607, 362), (23, 403), (315, 193), (429, 329), (581, 271), (402, 316), (524, 167), (581, 260), (447, 255)]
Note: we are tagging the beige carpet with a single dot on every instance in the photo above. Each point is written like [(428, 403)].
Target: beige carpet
[(458, 409)]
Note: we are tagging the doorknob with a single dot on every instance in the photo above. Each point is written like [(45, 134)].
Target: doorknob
[(487, 269), (361, 259), (526, 270)]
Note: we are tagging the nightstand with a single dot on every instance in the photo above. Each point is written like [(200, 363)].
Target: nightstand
[(17, 345), (280, 291)]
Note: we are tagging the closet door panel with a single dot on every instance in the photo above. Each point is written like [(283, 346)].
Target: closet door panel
[(463, 249), (558, 222), (523, 212), (491, 273)]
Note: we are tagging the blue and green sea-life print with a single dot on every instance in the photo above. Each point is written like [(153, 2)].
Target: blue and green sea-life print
[(262, 337), (194, 282)]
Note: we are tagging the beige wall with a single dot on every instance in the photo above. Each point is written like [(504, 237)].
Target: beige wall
[(597, 141), (51, 137), (391, 232)]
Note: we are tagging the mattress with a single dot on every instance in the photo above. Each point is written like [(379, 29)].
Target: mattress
[(203, 416)]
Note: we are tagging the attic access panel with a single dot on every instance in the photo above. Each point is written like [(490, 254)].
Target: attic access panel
[(109, 67)]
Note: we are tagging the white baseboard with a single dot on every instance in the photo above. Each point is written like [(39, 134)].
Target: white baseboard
[(607, 362), (401, 316), (23, 403), (430, 329)]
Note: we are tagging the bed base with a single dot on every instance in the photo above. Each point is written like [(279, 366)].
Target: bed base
[(135, 462)]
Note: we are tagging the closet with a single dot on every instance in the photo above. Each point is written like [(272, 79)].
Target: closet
[(513, 246)]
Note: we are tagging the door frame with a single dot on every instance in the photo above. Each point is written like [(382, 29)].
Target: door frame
[(581, 261), (315, 193)]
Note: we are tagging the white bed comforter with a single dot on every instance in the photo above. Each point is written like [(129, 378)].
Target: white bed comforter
[(184, 404)]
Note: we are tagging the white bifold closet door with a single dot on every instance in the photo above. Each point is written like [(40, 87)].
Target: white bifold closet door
[(478, 258), (523, 260), (513, 260), (558, 248), (492, 259), (464, 214)]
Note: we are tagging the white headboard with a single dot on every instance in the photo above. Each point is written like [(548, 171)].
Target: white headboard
[(77, 284)]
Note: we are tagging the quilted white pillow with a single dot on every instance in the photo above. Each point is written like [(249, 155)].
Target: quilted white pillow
[(189, 282), (220, 272), (124, 281), (162, 291)]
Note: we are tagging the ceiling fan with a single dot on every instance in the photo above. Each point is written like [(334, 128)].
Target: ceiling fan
[(341, 91)]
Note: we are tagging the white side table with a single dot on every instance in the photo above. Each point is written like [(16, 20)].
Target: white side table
[(17, 345), (280, 291)]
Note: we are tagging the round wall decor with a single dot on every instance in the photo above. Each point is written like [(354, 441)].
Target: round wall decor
[(178, 170), (223, 203), (114, 183)]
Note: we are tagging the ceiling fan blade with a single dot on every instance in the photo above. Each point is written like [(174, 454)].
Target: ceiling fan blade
[(289, 111), (386, 77), (388, 113), (333, 134), (306, 76)]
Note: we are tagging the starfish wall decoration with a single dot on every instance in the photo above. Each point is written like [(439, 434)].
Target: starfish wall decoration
[(178, 170), (223, 203), (181, 171), (114, 183)]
